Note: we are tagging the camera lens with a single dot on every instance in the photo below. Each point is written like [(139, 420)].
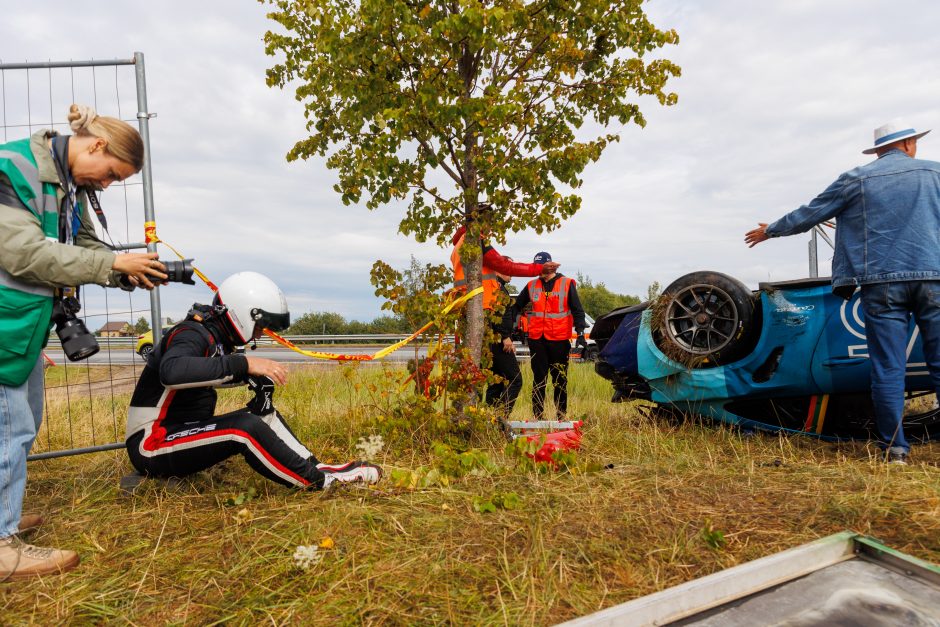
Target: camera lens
[(77, 342), (180, 271)]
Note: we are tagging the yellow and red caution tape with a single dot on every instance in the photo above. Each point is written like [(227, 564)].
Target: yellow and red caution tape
[(150, 235), (382, 353)]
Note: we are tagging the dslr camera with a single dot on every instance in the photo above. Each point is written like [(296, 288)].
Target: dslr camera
[(179, 271), (77, 342)]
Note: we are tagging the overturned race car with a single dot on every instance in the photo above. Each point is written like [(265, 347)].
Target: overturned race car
[(790, 356)]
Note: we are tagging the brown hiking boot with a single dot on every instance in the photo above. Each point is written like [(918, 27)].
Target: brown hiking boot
[(30, 522), (18, 559)]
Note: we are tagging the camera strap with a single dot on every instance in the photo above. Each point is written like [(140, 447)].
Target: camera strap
[(96, 206), (70, 220)]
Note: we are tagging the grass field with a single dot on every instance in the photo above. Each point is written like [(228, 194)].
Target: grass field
[(675, 503)]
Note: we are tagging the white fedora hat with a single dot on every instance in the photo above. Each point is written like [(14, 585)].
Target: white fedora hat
[(891, 132)]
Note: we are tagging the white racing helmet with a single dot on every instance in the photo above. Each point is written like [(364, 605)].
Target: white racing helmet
[(251, 300)]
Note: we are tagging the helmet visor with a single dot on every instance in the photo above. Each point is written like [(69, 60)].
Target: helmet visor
[(273, 321)]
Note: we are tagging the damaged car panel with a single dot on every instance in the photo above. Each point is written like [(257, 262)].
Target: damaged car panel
[(790, 356)]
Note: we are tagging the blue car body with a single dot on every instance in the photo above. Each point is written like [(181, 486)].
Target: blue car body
[(806, 371)]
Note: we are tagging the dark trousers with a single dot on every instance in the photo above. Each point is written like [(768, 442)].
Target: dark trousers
[(549, 357), (503, 395), (266, 443)]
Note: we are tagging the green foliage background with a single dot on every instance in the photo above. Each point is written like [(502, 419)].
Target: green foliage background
[(446, 103)]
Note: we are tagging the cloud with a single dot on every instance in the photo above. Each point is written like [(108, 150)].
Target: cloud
[(776, 99)]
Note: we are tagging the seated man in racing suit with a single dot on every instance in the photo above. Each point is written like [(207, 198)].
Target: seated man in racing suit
[(171, 427)]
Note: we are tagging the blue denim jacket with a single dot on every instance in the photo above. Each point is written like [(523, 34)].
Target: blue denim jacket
[(888, 221)]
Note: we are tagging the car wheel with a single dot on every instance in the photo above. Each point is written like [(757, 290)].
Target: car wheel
[(703, 319), (590, 353), (145, 351)]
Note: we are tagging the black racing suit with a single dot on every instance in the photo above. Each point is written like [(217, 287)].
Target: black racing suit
[(503, 394), (171, 427)]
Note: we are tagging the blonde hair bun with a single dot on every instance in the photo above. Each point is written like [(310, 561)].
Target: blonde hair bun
[(122, 140), (81, 117)]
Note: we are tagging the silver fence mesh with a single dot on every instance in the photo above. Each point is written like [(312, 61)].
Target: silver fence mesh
[(86, 402)]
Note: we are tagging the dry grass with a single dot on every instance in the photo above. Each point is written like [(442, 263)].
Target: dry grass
[(579, 543)]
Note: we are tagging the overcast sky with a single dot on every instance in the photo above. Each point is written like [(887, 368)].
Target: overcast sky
[(775, 100)]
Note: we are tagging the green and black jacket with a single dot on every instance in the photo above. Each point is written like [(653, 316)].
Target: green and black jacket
[(32, 260)]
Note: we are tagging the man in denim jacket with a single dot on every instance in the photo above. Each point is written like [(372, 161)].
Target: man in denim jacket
[(887, 243)]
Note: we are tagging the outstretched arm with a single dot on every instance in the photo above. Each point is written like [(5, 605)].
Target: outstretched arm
[(506, 266), (824, 207), (755, 236)]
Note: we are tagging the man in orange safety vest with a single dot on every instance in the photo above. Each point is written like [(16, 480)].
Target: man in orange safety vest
[(556, 308)]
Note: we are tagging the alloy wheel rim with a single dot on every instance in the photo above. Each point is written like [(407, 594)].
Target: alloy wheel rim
[(701, 319)]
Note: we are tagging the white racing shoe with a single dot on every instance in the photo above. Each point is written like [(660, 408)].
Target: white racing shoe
[(353, 472)]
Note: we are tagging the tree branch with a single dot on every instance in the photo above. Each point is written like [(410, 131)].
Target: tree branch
[(424, 144)]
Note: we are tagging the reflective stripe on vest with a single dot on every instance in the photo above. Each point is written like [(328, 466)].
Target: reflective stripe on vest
[(490, 280), (7, 280), (23, 177), (24, 319), (550, 317)]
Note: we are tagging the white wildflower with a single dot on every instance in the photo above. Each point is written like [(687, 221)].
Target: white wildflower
[(370, 448), (307, 556)]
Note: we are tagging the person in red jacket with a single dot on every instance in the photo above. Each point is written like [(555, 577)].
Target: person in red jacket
[(497, 270), (556, 307), (493, 263)]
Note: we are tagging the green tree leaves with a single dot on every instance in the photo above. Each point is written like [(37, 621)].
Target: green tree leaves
[(488, 94), (142, 326), (332, 323), (449, 104), (413, 294)]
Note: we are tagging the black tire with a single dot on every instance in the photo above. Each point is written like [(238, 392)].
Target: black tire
[(704, 319), (590, 353), (145, 351)]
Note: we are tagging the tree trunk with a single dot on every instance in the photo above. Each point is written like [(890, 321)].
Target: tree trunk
[(468, 67), (473, 310)]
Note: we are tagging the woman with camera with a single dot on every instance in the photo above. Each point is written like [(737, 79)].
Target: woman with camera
[(49, 245)]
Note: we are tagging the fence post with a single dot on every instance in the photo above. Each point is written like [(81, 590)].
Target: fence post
[(143, 121)]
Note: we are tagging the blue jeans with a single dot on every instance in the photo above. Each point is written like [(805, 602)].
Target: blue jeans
[(888, 309), (20, 417)]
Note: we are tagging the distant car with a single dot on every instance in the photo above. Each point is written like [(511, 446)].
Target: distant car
[(145, 343), (790, 356), (591, 351)]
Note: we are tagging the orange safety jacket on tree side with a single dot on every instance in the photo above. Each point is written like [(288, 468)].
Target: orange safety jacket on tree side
[(493, 262), (490, 282), (551, 316)]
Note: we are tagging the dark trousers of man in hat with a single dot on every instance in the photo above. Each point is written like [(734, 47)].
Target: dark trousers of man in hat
[(888, 244)]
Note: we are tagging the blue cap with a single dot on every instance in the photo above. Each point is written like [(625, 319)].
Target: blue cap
[(542, 257)]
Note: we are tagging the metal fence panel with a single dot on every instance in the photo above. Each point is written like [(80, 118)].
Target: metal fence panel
[(86, 406)]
